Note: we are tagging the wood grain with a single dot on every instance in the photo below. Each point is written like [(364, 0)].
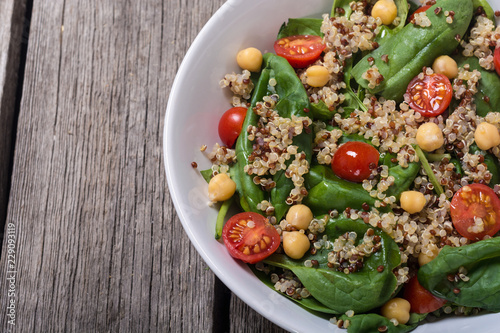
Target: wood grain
[(99, 247), (11, 38)]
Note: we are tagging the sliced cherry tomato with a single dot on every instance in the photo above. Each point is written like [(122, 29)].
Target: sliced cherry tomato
[(230, 125), (250, 237), (354, 161), (431, 95), (497, 60), (299, 50), (421, 299), (475, 202), (419, 10)]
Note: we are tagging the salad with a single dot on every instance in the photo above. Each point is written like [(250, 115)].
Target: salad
[(364, 157)]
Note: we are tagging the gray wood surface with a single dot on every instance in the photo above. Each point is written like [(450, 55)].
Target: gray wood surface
[(98, 245), (11, 37)]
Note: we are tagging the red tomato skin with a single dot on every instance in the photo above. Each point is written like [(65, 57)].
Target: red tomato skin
[(237, 235), (463, 212), (421, 300), (298, 59), (497, 60), (434, 102), (354, 161), (230, 125), (419, 10)]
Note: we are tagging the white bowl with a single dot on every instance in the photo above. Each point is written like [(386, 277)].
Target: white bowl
[(195, 105)]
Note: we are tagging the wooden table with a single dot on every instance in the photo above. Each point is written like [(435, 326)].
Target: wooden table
[(91, 240)]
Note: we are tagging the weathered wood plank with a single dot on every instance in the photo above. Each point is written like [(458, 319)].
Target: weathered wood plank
[(247, 320), (11, 38), (98, 244), (99, 247)]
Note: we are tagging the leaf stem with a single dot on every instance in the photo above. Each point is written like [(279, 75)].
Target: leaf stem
[(428, 170), (221, 216)]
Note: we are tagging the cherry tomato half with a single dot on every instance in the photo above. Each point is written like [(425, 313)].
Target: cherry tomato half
[(472, 202), (497, 60), (250, 237), (230, 125), (354, 161), (419, 10), (421, 299), (431, 95), (299, 50)]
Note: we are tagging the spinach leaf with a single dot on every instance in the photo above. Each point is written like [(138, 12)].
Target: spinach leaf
[(482, 262), (319, 111), (301, 26), (403, 178), (250, 193), (341, 8), (414, 47), (328, 192), (490, 13), (371, 322), (416, 318), (487, 87), (206, 174), (360, 291), (353, 101), (293, 100), (402, 6)]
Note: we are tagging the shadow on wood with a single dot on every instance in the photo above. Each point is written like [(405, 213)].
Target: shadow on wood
[(13, 42)]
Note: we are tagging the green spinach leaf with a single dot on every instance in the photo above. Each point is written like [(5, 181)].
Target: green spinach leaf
[(206, 174), (341, 8), (371, 322), (301, 26), (293, 100), (360, 291), (487, 99), (250, 193), (490, 13), (482, 262)]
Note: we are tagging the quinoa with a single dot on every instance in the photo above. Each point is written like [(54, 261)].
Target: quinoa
[(240, 85), (342, 37), (483, 36), (373, 76), (274, 150), (221, 158), (421, 20)]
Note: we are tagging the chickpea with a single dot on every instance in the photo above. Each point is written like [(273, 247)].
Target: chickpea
[(299, 216), (221, 187), (386, 10), (445, 65), (249, 59), (412, 201), (429, 136), (425, 258), (397, 308), (486, 136), (295, 244), (317, 76)]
